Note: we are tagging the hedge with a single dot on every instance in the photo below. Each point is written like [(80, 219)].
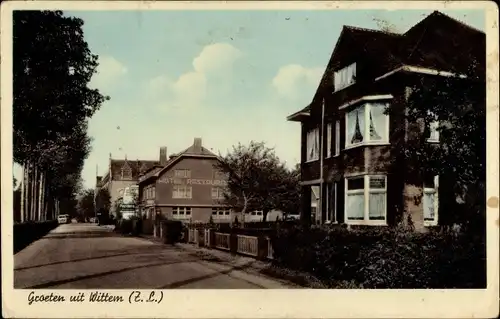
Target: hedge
[(384, 257)]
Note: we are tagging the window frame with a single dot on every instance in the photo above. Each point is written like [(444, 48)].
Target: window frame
[(313, 131), (181, 212), (342, 72), (366, 191), (366, 137), (337, 139), (435, 192), (221, 213), (175, 190), (329, 135), (430, 128), (331, 219), (220, 192), (186, 173)]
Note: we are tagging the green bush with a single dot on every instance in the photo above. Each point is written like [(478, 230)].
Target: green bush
[(381, 257)]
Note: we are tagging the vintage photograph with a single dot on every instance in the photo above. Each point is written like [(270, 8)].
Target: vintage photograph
[(249, 149)]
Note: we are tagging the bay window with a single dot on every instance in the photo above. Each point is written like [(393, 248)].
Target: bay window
[(312, 145), (366, 200), (344, 77), (430, 201), (367, 124)]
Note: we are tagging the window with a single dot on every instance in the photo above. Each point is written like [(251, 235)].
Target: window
[(430, 201), (329, 140), (181, 212), (337, 138), (366, 198), (312, 145), (431, 130), (126, 172), (218, 212), (182, 191), (367, 124), (217, 193), (216, 174), (331, 202), (345, 77), (182, 173)]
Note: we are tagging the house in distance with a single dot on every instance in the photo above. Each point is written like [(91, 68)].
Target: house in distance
[(187, 187)]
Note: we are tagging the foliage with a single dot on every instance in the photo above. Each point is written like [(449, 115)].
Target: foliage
[(103, 200), (86, 208), (383, 258), (52, 68), (457, 103), (257, 179)]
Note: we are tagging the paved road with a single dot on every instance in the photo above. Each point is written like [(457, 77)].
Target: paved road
[(88, 256)]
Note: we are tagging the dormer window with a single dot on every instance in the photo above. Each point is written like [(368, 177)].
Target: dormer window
[(344, 77), (126, 172)]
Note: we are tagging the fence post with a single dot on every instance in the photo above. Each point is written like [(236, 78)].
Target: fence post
[(233, 243)]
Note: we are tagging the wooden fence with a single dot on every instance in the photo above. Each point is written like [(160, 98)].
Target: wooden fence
[(222, 241), (258, 246), (248, 245)]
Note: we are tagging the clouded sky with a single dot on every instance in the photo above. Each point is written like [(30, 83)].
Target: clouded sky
[(224, 76)]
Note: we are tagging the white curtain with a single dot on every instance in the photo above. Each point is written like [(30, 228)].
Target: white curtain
[(428, 203), (344, 77), (355, 126), (312, 145), (378, 122), (376, 206), (329, 140), (355, 207), (433, 132)]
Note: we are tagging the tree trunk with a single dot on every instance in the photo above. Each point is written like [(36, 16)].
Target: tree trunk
[(35, 193), (23, 185), (30, 192), (264, 214), (40, 196)]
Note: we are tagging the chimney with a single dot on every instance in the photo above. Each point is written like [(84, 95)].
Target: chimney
[(197, 145), (163, 156)]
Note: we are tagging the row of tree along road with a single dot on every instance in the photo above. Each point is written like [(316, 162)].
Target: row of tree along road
[(52, 105)]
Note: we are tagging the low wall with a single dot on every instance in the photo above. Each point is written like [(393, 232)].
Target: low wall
[(26, 233)]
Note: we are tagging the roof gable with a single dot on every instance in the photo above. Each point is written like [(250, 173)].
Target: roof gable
[(135, 166)]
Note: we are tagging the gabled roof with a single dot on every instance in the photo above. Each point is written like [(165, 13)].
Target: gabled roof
[(429, 43), (135, 166), (191, 151)]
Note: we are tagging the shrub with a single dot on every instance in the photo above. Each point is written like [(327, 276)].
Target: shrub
[(383, 257)]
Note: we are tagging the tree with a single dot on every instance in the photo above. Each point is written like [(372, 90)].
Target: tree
[(256, 178), (51, 70), (456, 105), (86, 204), (103, 200)]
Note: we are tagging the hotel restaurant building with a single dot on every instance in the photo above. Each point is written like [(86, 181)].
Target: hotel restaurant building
[(187, 187)]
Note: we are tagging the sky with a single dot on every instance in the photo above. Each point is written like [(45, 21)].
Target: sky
[(228, 77)]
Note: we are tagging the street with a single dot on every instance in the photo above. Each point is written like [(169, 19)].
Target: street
[(88, 256)]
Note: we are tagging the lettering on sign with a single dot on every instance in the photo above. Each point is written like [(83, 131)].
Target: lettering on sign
[(190, 181)]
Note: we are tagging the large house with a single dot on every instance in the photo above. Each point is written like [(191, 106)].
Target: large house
[(123, 173), (347, 138), (188, 187)]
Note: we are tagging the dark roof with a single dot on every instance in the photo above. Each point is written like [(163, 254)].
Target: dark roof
[(190, 151), (438, 41), (137, 166)]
